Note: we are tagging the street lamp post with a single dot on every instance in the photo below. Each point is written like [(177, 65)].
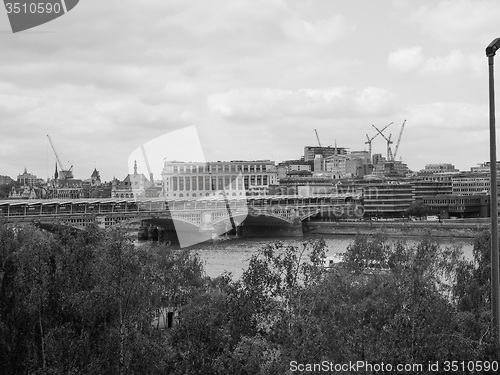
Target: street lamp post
[(495, 297)]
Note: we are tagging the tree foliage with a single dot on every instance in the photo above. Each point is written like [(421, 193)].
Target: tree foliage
[(88, 303)]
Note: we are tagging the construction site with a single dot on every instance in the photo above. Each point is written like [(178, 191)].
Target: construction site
[(339, 162)]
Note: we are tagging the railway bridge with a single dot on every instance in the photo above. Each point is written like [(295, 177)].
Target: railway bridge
[(193, 220)]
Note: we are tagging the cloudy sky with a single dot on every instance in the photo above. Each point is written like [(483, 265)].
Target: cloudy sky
[(255, 77)]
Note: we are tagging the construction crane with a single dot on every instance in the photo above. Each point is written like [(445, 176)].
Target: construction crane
[(399, 139), (369, 140), (65, 173), (317, 137), (389, 151)]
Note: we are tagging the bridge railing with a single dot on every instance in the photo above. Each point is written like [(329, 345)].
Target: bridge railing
[(84, 207)]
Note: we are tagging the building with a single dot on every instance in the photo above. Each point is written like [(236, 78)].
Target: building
[(471, 183), (70, 188), (438, 168), (354, 164), (23, 192), (28, 179), (310, 152), (306, 184), (289, 166), (458, 206), (429, 188), (233, 178), (484, 167), (391, 169), (134, 185), (93, 187), (439, 177), (381, 198), (95, 178)]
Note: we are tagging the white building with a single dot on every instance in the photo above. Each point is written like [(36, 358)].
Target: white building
[(233, 178)]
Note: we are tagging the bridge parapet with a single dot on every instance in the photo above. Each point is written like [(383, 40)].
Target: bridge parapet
[(204, 213)]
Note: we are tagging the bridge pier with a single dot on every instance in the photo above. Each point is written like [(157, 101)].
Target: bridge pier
[(153, 233), (274, 230), (142, 234)]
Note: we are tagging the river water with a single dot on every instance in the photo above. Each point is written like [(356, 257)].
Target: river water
[(233, 255)]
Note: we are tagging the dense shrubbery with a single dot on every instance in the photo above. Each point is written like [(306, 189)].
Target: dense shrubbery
[(85, 303)]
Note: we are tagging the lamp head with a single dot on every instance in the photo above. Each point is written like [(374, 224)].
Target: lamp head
[(492, 47)]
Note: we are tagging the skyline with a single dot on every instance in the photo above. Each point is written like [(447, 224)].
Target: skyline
[(256, 78)]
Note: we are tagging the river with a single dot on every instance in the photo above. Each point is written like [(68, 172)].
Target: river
[(234, 254)]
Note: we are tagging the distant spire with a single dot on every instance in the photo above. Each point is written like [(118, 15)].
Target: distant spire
[(56, 174), (336, 151), (25, 171), (135, 167)]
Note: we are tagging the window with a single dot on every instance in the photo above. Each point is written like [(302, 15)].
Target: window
[(200, 182)]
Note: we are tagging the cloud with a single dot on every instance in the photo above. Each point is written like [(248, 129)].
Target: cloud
[(406, 59), (452, 63), (459, 21), (449, 116), (412, 59), (321, 31), (267, 103)]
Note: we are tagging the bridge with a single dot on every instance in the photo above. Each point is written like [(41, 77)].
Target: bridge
[(208, 214)]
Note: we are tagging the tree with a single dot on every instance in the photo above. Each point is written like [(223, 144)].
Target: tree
[(472, 295), (418, 209)]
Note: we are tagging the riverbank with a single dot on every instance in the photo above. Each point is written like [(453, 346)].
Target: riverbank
[(447, 229)]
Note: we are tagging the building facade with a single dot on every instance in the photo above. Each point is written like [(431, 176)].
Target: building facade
[(28, 179), (233, 178), (458, 206), (306, 185), (135, 186), (438, 168), (429, 188), (310, 152), (355, 164), (381, 198), (471, 183), (286, 167)]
